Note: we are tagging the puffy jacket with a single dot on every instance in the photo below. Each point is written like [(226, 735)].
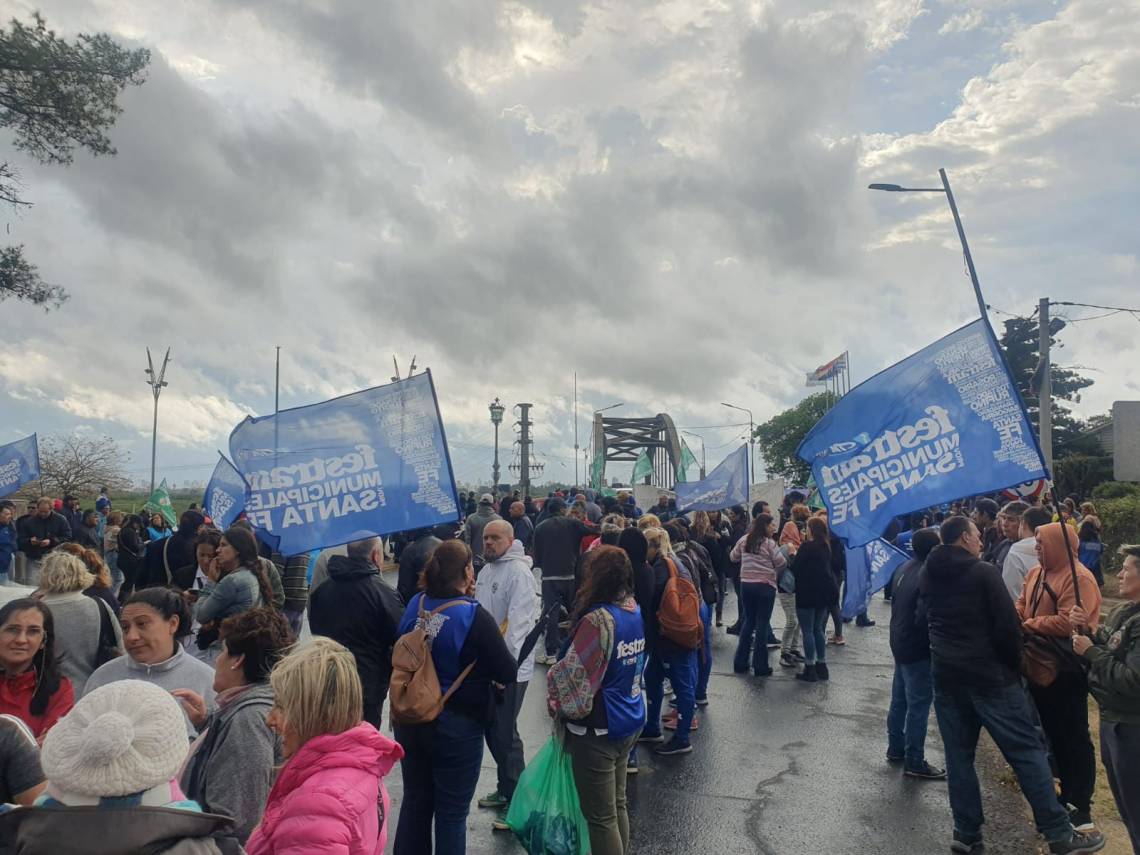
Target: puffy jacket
[(115, 831), (975, 633), (1114, 665), (910, 637), (1049, 593), (358, 608), (325, 799), (53, 528)]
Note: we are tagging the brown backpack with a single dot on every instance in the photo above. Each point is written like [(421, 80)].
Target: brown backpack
[(414, 696), (679, 614)]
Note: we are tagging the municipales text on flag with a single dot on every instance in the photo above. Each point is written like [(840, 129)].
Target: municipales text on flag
[(942, 424), (19, 464), (225, 494), (362, 465), (725, 486)]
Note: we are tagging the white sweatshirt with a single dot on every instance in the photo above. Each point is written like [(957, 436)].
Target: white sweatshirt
[(506, 588), (1022, 558)]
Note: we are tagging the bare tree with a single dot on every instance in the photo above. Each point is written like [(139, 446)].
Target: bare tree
[(81, 465)]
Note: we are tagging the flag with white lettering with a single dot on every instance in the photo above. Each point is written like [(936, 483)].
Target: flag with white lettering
[(725, 486), (869, 569), (225, 494), (366, 464), (942, 424), (19, 464)]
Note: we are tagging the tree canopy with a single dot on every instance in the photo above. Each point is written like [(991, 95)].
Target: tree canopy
[(780, 436), (56, 96)]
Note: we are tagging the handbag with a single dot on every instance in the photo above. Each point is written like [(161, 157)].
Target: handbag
[(1045, 657), (108, 647)]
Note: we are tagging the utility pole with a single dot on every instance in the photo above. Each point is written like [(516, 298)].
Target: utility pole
[(276, 400), (576, 481), (524, 466), (1045, 394), (156, 382)]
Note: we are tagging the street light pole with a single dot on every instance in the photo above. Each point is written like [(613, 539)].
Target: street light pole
[(156, 382), (497, 410), (945, 188), (751, 437), (702, 439)]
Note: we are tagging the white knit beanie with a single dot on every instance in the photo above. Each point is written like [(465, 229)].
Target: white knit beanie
[(120, 739)]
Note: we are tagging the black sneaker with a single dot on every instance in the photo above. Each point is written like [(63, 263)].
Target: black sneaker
[(650, 737), (863, 621), (926, 772), (1081, 819), (795, 654), (786, 661), (674, 747), (895, 759), (966, 845), (734, 629), (808, 674), (766, 673), (1081, 842), (821, 671)]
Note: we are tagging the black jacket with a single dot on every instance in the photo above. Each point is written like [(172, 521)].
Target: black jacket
[(412, 560), (910, 638), (131, 549), (654, 640), (54, 528), (815, 585), (975, 633), (697, 558), (358, 609), (175, 551), (557, 542)]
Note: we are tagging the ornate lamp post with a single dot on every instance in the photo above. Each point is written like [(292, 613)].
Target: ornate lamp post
[(497, 410)]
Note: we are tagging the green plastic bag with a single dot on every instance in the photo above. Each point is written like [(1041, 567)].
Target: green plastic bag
[(545, 814)]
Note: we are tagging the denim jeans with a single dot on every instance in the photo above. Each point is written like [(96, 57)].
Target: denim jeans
[(703, 659), (556, 591), (911, 696), (440, 771), (1004, 712), (813, 622), (791, 623), (678, 667), (757, 600), (111, 559)]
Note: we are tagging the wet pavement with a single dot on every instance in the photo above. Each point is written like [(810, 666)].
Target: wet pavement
[(783, 767)]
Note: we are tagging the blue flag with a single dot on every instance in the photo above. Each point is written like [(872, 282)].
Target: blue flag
[(225, 494), (869, 568), (366, 464), (725, 486), (940, 425), (19, 464)]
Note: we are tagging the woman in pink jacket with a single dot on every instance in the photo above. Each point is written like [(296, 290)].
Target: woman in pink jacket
[(329, 796)]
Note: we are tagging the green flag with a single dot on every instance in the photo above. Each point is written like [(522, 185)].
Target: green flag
[(814, 501), (687, 460), (159, 503), (598, 470), (641, 468)]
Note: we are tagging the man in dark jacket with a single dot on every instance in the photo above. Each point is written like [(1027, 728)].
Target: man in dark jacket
[(913, 688), (357, 608), (473, 527), (166, 555), (412, 560), (556, 546), (7, 541), (72, 514), (38, 534), (975, 650), (523, 527)]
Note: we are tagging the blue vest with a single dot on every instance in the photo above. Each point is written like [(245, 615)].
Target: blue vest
[(621, 687), (448, 631)]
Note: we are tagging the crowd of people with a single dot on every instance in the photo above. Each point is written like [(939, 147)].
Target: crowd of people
[(159, 667)]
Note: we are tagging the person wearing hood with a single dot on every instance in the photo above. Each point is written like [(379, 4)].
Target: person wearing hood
[(111, 765), (473, 527), (329, 797), (912, 691), (153, 622), (358, 609), (1022, 554), (1112, 654), (506, 588), (230, 767), (164, 555), (87, 534), (975, 653), (1057, 585), (412, 560)]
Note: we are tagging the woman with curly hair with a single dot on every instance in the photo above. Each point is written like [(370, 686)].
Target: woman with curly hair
[(230, 767)]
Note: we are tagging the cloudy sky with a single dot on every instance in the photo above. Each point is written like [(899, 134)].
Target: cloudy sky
[(667, 198)]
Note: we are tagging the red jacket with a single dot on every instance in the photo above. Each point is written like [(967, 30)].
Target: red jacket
[(16, 697)]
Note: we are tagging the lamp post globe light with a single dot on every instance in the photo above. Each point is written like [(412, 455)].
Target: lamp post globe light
[(497, 410)]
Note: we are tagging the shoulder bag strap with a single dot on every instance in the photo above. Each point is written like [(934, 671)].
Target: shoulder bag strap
[(165, 561), (1072, 564)]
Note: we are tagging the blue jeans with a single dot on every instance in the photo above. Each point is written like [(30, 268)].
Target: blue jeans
[(440, 771), (678, 667), (757, 600), (112, 561), (813, 622), (703, 659), (1004, 712), (911, 695)]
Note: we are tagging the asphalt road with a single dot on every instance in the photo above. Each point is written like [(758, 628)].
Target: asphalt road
[(784, 767)]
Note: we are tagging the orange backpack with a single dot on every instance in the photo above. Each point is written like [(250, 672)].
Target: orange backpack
[(679, 614), (414, 696)]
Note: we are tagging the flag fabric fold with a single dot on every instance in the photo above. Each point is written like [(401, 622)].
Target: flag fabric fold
[(725, 486), (19, 464)]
